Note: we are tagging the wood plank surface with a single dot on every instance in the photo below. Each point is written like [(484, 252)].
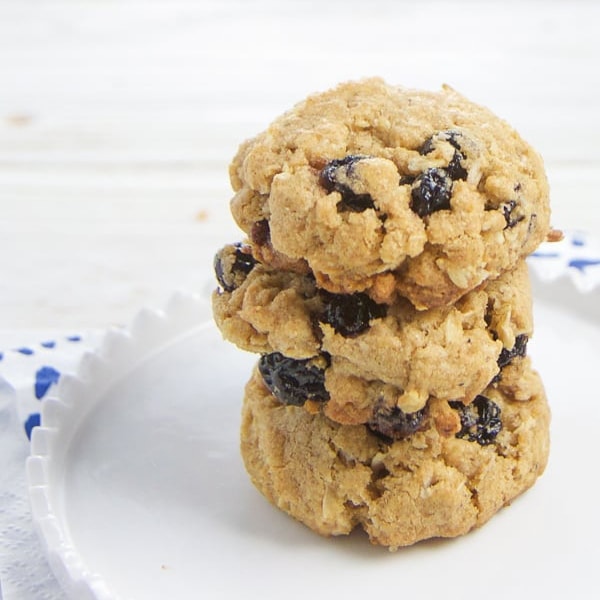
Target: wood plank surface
[(118, 120)]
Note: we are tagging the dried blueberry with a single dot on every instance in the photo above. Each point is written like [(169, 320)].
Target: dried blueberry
[(480, 421), (232, 265), (431, 192), (519, 349), (329, 175), (394, 424), (507, 211), (451, 136), (350, 314), (333, 177), (454, 169), (294, 381)]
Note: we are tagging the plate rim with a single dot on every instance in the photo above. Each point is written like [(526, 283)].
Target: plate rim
[(119, 352)]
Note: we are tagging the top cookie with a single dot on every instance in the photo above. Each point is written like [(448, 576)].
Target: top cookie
[(391, 191)]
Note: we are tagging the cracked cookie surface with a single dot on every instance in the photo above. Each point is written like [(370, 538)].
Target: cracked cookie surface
[(387, 191), (369, 351), (334, 478)]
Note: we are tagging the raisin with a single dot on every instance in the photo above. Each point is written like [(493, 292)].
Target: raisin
[(261, 233), (480, 421), (293, 381), (431, 192), (407, 179), (451, 136), (392, 423), (332, 176), (232, 265), (350, 314), (329, 175), (507, 211), (454, 169), (519, 349)]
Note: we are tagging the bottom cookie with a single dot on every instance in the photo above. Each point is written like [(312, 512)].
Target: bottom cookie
[(334, 477)]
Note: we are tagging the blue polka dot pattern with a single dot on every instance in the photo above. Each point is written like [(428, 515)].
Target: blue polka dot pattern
[(31, 369), (583, 263), (546, 255), (44, 378), (32, 421)]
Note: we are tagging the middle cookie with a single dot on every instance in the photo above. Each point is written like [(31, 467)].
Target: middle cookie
[(340, 342)]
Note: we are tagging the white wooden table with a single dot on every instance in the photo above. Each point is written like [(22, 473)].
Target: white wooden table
[(118, 119)]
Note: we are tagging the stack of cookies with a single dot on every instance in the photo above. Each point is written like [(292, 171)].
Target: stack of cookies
[(383, 284)]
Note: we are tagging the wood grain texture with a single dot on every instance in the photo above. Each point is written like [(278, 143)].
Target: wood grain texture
[(118, 120)]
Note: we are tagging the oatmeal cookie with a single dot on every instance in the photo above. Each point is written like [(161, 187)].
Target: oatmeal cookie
[(334, 477), (364, 350), (387, 191)]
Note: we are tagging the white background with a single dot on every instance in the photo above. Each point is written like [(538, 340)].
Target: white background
[(118, 120)]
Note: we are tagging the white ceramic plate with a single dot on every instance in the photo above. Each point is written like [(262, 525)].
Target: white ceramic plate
[(138, 489)]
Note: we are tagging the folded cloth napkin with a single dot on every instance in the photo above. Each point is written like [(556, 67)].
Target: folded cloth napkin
[(577, 256), (33, 371), (28, 374)]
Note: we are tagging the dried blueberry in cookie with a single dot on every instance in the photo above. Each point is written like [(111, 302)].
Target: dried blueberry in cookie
[(350, 314), (337, 176), (519, 349), (232, 265), (455, 169), (407, 180), (451, 136), (480, 421), (393, 423), (294, 381), (431, 192), (508, 209)]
